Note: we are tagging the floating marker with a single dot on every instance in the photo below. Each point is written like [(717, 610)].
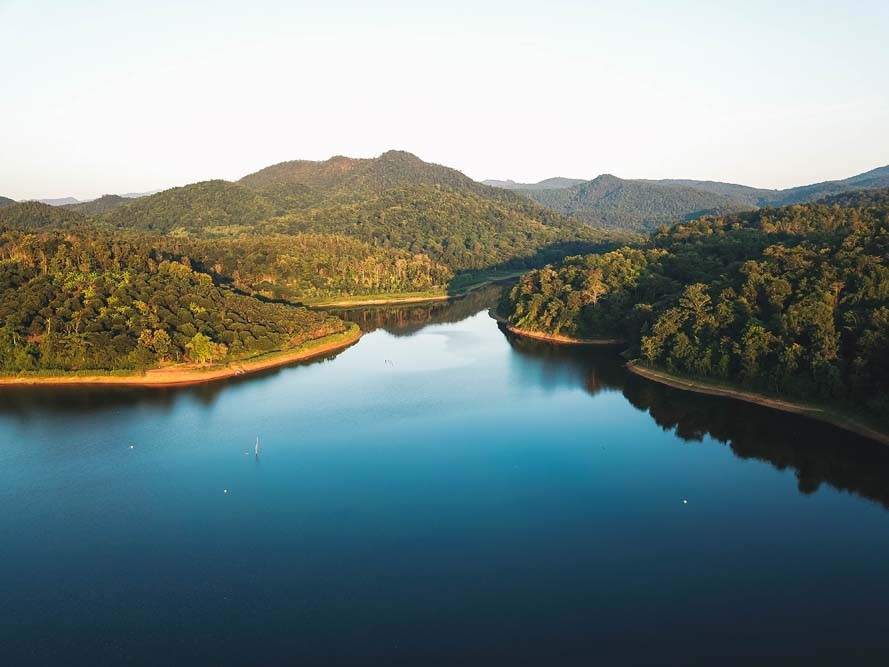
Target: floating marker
[(684, 502), (131, 446), (225, 490)]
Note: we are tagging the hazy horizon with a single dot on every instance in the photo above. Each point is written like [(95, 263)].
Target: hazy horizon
[(112, 99), (150, 191)]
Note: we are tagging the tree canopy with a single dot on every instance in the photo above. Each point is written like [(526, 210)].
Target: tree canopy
[(793, 300)]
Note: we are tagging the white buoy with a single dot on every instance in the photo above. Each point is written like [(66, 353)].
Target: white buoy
[(684, 502), (225, 490), (131, 446)]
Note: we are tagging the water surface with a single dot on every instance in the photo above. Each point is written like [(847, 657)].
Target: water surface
[(439, 493)]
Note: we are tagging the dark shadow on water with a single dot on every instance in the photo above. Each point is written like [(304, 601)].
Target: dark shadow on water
[(817, 452)]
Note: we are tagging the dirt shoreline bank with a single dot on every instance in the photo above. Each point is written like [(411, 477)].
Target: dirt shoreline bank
[(815, 412), (184, 374), (847, 423), (553, 338), (382, 301)]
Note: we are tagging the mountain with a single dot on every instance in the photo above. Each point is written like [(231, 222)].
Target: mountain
[(611, 202), (875, 178), (394, 201), (741, 194), (6, 201), (98, 206), (359, 176), (640, 204), (549, 184)]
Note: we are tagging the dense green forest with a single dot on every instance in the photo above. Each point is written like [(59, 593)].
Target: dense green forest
[(310, 266), (70, 302), (858, 198), (793, 300)]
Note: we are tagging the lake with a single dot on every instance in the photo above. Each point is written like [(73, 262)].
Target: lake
[(439, 493)]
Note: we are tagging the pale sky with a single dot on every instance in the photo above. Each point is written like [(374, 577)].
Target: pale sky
[(126, 95)]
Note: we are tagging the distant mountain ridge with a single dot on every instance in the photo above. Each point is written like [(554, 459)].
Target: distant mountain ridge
[(611, 202), (547, 184), (73, 201), (640, 205), (98, 206), (61, 201)]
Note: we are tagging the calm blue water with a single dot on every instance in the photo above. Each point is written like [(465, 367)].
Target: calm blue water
[(477, 500)]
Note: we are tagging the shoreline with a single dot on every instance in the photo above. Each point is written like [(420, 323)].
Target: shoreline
[(846, 423), (552, 338), (843, 421), (186, 374), (383, 300)]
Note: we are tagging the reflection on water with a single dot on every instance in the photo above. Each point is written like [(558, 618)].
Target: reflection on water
[(406, 319), (819, 453)]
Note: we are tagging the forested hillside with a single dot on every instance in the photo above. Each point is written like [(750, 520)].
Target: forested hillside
[(310, 266), (351, 178), (873, 179), (35, 215), (858, 198), (206, 208), (394, 202), (71, 303), (792, 300), (6, 201)]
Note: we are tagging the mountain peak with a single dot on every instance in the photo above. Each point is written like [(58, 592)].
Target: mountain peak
[(394, 168), (399, 155)]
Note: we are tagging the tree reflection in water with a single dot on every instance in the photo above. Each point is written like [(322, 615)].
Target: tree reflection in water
[(406, 319), (819, 453)]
